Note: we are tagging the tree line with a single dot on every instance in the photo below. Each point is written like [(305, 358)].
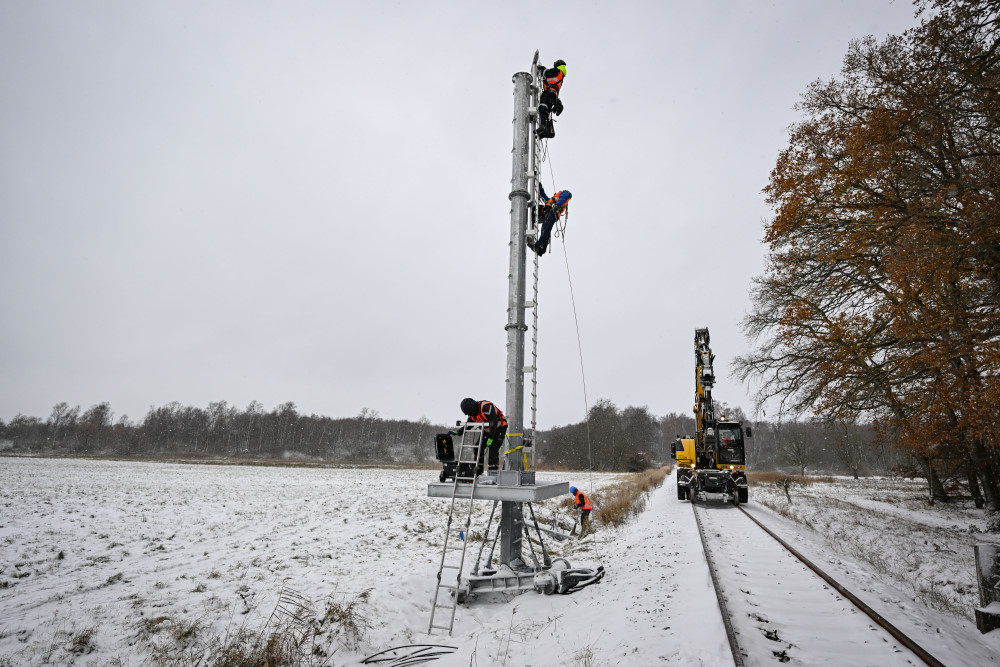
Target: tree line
[(223, 430), (881, 296), (624, 439), (610, 439)]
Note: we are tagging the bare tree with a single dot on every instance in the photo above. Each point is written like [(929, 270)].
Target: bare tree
[(796, 444)]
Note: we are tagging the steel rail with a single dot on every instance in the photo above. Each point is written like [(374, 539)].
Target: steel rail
[(726, 620), (874, 615)]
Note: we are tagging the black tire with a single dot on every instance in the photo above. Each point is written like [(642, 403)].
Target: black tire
[(736, 498), (691, 492), (681, 493), (744, 495)]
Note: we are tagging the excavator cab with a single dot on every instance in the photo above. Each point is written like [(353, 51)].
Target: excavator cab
[(730, 448)]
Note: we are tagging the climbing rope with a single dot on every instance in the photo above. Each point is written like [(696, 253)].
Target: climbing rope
[(560, 232)]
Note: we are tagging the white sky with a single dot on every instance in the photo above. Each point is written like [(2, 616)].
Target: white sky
[(307, 201)]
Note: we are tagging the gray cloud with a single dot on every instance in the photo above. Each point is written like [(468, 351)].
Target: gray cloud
[(307, 201)]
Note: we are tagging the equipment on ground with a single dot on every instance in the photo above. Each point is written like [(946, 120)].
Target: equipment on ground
[(714, 461)]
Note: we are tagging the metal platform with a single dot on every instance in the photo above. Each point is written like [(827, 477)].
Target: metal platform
[(505, 488)]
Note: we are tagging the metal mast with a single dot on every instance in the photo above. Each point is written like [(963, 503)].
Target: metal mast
[(520, 196), (512, 487)]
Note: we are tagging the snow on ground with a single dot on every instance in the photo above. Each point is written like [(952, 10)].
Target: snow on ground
[(105, 562), (926, 549)]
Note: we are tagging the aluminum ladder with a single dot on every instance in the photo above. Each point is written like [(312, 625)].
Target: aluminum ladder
[(533, 232), (468, 453)]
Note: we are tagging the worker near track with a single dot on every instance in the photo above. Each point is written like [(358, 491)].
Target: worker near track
[(582, 504), (494, 431), (549, 212), (549, 102)]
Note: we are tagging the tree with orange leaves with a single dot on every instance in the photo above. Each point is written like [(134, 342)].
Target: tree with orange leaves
[(882, 291)]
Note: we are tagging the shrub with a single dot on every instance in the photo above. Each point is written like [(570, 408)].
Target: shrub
[(617, 504)]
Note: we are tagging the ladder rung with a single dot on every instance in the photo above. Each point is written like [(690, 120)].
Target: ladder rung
[(450, 567), (441, 627)]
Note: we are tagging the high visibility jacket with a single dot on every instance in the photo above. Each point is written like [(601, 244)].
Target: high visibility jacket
[(559, 201), (582, 501), (554, 78), (491, 414)]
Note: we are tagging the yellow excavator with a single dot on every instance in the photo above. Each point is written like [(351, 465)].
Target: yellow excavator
[(713, 463)]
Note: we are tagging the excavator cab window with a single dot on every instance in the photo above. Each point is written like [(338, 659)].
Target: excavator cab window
[(730, 448)]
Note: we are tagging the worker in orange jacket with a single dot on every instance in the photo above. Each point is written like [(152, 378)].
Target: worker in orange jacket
[(494, 432), (549, 101), (549, 213), (583, 504)]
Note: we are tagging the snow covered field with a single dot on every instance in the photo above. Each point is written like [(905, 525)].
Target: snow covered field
[(105, 562), (927, 550)]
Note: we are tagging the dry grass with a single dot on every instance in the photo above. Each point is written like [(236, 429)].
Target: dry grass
[(293, 635), (621, 502)]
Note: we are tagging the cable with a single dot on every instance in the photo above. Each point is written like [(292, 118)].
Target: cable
[(561, 232), (583, 378)]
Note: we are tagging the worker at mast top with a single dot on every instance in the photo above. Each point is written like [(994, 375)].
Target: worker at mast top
[(549, 102), (554, 76)]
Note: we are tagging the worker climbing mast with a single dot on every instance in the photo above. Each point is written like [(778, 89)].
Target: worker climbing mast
[(514, 487)]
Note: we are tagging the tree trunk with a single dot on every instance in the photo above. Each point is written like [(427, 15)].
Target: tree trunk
[(981, 461), (977, 495), (934, 484)]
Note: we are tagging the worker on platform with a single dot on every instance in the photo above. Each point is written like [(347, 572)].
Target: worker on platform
[(494, 431), (549, 212), (582, 504), (549, 102)]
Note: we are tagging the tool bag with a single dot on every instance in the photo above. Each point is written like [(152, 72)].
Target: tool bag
[(445, 447)]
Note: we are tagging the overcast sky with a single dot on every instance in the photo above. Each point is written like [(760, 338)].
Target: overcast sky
[(307, 201)]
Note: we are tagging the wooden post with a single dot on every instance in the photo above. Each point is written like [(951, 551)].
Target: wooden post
[(988, 574)]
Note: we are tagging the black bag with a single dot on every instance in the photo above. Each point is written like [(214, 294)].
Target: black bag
[(445, 447)]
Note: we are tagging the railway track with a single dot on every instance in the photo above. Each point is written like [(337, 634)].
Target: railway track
[(777, 606)]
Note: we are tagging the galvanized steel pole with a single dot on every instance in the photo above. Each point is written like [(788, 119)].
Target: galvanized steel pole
[(511, 521), (519, 199)]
